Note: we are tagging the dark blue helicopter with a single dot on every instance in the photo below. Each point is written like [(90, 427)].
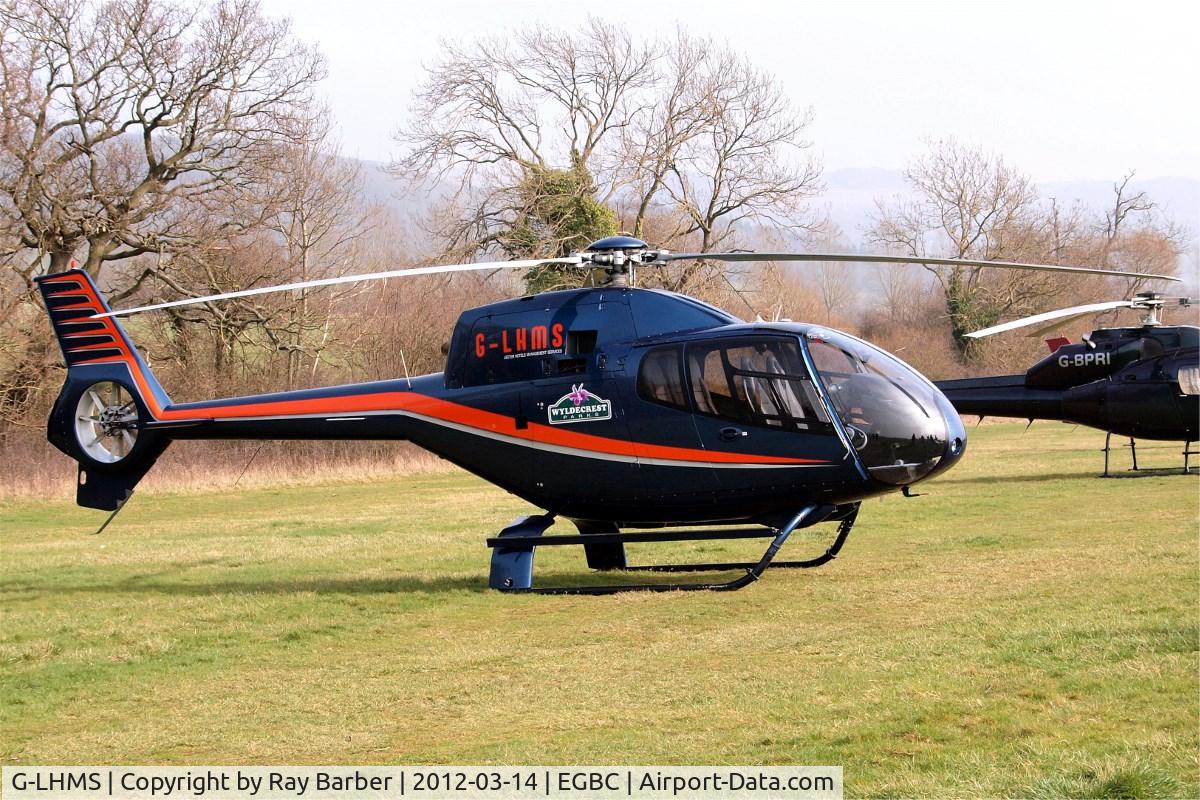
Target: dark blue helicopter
[(1141, 382), (631, 412)]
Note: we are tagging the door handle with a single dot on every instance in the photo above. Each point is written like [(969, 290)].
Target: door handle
[(730, 434)]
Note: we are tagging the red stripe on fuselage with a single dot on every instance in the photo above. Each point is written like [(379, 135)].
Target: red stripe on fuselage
[(446, 411), (473, 418), (413, 402)]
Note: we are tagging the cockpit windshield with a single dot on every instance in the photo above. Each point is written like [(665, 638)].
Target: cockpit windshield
[(890, 412)]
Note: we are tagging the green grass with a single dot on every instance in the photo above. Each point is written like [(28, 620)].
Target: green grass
[(1023, 628)]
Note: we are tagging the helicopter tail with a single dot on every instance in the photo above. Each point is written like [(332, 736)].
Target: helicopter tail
[(1002, 396), (103, 417)]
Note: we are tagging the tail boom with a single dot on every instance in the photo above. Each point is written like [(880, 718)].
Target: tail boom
[(1003, 396)]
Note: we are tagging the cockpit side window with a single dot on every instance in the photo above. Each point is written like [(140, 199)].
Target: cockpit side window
[(756, 382), (660, 378)]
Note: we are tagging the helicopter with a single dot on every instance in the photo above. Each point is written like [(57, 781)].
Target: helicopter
[(1137, 382), (639, 415)]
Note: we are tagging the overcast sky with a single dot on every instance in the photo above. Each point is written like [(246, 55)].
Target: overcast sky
[(1064, 91)]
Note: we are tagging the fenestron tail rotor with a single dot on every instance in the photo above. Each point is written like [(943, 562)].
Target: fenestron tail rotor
[(619, 256), (1149, 302)]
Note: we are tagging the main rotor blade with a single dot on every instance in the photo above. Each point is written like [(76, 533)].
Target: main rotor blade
[(1073, 311), (370, 276), (1041, 331), (879, 259)]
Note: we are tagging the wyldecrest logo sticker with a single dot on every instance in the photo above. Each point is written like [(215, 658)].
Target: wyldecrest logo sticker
[(579, 405)]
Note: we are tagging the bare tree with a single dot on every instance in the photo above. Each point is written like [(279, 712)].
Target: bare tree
[(503, 120), (1125, 205), (740, 166), (655, 138), (971, 205), (232, 328), (1135, 240), (314, 205), (306, 221), (832, 281), (778, 292), (121, 119), (542, 133)]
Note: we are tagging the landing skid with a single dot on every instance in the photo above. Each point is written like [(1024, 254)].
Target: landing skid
[(513, 549), (1187, 453)]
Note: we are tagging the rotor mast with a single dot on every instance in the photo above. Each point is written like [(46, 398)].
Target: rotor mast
[(1152, 304)]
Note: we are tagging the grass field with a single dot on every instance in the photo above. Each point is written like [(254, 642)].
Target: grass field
[(1022, 629)]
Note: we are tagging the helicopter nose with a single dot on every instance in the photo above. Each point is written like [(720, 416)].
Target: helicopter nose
[(903, 434), (956, 435), (902, 427)]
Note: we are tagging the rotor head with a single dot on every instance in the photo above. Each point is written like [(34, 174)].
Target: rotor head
[(620, 256), (1152, 303)]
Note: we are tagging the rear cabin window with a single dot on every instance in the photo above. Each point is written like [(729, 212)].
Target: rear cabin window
[(660, 378), (756, 382)]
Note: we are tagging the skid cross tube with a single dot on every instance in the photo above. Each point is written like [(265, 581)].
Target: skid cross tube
[(829, 555), (512, 557), (630, 538)]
